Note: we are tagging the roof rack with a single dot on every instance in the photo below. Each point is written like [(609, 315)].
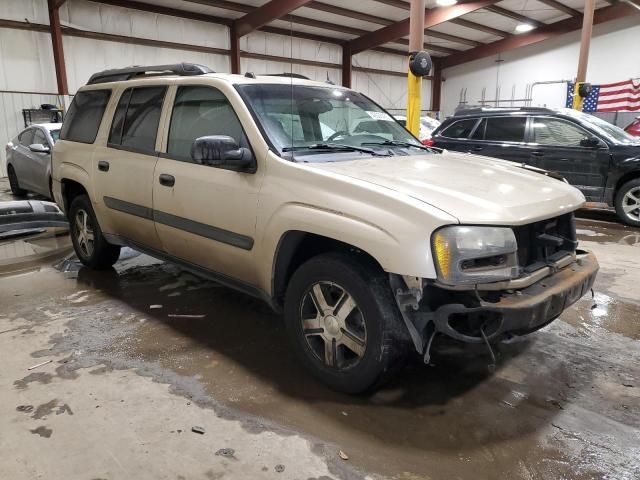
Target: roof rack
[(119, 74), (288, 75), (480, 109)]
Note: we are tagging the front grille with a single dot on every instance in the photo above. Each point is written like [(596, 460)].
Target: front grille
[(544, 242)]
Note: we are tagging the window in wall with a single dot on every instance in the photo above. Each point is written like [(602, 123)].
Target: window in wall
[(505, 129), (553, 131), (199, 112), (84, 116), (460, 129)]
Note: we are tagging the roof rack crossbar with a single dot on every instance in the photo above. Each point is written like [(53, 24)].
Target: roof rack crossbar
[(119, 74)]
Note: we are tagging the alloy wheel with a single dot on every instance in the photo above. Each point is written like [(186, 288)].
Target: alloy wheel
[(84, 233), (333, 325), (631, 204)]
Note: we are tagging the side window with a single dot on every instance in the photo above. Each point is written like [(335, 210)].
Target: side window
[(553, 131), (84, 116), (460, 129), (135, 122), (198, 112), (505, 129), (26, 137), (479, 133), (39, 137)]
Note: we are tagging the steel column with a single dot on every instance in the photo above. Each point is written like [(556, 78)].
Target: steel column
[(58, 50), (414, 83), (346, 65), (585, 41)]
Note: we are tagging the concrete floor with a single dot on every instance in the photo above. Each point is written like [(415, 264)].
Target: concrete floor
[(127, 383)]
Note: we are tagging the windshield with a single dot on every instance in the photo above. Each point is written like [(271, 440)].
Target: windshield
[(604, 128), (298, 117), (55, 134)]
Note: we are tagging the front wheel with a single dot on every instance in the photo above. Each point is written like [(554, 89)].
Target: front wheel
[(343, 322), (627, 202), (88, 242)]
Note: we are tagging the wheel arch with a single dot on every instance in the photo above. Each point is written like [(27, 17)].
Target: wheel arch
[(70, 190), (296, 247), (628, 176)]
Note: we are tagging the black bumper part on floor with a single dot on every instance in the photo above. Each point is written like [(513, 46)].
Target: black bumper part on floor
[(523, 311)]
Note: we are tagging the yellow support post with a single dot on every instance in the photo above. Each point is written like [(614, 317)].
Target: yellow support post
[(414, 103), (577, 99)]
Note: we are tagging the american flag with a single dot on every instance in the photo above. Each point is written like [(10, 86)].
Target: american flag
[(611, 97)]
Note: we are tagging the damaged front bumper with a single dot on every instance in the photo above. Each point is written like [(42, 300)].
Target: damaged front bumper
[(480, 316)]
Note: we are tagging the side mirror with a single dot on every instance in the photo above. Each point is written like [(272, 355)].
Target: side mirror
[(39, 148), (221, 151), (590, 142)]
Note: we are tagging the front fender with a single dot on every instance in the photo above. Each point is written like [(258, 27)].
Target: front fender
[(405, 255)]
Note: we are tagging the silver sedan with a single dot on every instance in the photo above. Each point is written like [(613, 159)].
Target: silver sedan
[(29, 159)]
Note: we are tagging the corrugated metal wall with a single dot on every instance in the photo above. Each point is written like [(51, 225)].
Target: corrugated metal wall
[(26, 62)]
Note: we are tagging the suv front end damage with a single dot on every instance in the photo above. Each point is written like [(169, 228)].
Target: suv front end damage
[(537, 273)]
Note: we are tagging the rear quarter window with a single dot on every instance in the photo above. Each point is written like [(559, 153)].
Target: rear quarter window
[(459, 128), (83, 119)]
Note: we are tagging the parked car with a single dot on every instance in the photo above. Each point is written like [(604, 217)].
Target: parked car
[(369, 243), (29, 159), (602, 160), (427, 126), (633, 128)]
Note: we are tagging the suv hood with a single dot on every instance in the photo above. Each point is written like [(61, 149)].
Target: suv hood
[(474, 189)]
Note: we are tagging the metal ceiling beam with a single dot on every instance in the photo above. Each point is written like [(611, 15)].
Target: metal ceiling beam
[(172, 12), (482, 28), (270, 11), (396, 3), (452, 38), (400, 29), (562, 7), (513, 15), (544, 33)]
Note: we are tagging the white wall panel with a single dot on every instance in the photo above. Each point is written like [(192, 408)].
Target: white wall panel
[(35, 11), (269, 67), (134, 23), (271, 44), (90, 56), (26, 61), (613, 57)]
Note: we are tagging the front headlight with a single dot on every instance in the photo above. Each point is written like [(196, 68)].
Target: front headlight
[(468, 255)]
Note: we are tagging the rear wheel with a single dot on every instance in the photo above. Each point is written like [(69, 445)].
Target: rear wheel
[(343, 322), (88, 242), (13, 182), (628, 202)]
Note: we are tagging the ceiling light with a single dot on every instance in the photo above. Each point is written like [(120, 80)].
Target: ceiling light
[(446, 3), (524, 27)]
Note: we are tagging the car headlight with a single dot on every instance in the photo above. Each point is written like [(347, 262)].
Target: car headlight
[(468, 255)]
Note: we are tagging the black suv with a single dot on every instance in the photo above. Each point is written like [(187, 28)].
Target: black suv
[(602, 160)]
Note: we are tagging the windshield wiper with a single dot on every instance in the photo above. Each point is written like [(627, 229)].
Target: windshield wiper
[(398, 143), (333, 147)]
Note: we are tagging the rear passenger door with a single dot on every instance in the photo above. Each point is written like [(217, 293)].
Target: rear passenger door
[(555, 145), (123, 169), (501, 137), (204, 214)]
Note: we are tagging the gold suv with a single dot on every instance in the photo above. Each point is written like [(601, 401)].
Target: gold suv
[(311, 197)]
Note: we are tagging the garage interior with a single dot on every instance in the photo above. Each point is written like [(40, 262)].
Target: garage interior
[(149, 371)]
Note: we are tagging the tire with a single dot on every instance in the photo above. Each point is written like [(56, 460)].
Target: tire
[(374, 326), (13, 182), (96, 254), (627, 196)]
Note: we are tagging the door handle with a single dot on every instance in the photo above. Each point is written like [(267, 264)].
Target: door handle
[(477, 149), (103, 166), (167, 180), (537, 153)]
